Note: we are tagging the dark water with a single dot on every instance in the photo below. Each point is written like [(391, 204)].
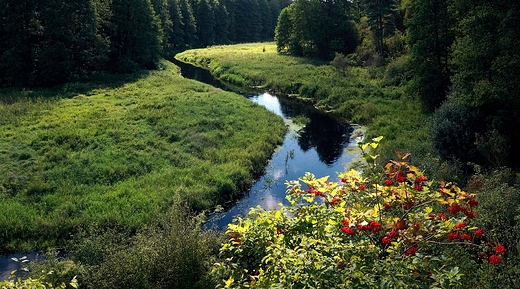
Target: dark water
[(7, 264), (318, 147)]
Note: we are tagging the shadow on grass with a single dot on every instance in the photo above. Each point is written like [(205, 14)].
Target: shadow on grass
[(95, 82)]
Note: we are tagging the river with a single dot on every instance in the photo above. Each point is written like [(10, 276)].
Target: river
[(315, 142)]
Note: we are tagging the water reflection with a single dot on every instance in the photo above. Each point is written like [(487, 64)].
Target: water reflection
[(315, 143)]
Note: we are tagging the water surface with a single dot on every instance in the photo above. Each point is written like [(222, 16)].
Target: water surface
[(315, 142)]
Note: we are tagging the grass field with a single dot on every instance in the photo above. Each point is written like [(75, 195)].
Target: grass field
[(114, 153), (370, 96)]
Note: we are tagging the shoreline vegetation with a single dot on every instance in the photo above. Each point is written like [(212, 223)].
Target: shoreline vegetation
[(368, 96), (377, 98), (115, 154)]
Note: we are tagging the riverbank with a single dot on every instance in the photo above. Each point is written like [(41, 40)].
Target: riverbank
[(370, 96), (377, 98), (116, 152)]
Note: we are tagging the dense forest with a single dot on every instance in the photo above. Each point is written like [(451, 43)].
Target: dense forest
[(48, 42), (461, 61)]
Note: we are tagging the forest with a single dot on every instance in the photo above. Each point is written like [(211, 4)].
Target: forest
[(437, 77), (45, 43)]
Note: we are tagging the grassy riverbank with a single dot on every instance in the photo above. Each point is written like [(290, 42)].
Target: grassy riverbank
[(376, 97), (370, 96), (117, 151)]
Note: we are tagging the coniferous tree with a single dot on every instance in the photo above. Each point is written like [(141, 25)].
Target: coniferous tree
[(135, 39), (205, 18), (48, 42), (20, 32), (263, 10), (486, 63), (430, 36), (230, 6), (248, 24), (189, 25), (380, 15), (162, 11), (318, 29), (255, 21), (222, 22), (274, 12), (175, 39), (70, 48)]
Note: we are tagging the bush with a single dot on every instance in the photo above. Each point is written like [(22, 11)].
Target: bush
[(454, 127), (386, 231), (396, 72), (42, 281), (172, 253), (499, 201)]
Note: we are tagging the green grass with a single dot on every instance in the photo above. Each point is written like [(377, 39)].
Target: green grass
[(371, 96), (116, 151)]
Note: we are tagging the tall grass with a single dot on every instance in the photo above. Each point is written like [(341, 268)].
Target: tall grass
[(115, 153), (370, 96)]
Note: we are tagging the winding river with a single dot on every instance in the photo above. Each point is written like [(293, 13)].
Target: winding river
[(315, 142)]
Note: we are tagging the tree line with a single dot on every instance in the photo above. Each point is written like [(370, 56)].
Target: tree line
[(462, 60), (465, 63), (48, 42)]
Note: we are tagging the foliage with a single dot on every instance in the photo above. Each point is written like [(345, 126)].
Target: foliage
[(486, 62), (115, 153), (38, 283), (48, 42), (172, 252), (381, 18), (397, 72), (340, 62), (430, 35), (316, 29), (51, 42), (454, 128), (385, 230)]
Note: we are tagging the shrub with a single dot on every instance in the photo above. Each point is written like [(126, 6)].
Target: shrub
[(172, 253), (41, 282), (454, 127), (396, 72), (385, 231), (340, 62)]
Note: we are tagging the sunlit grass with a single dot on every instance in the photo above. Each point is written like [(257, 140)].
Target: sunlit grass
[(115, 154), (361, 95)]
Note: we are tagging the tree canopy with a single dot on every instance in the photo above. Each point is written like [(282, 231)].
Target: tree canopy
[(316, 28)]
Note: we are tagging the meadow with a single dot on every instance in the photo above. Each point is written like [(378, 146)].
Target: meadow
[(372, 96), (115, 152)]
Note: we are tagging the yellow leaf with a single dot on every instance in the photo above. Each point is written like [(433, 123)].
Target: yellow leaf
[(378, 139), (323, 179), (414, 169), (229, 281), (428, 210)]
